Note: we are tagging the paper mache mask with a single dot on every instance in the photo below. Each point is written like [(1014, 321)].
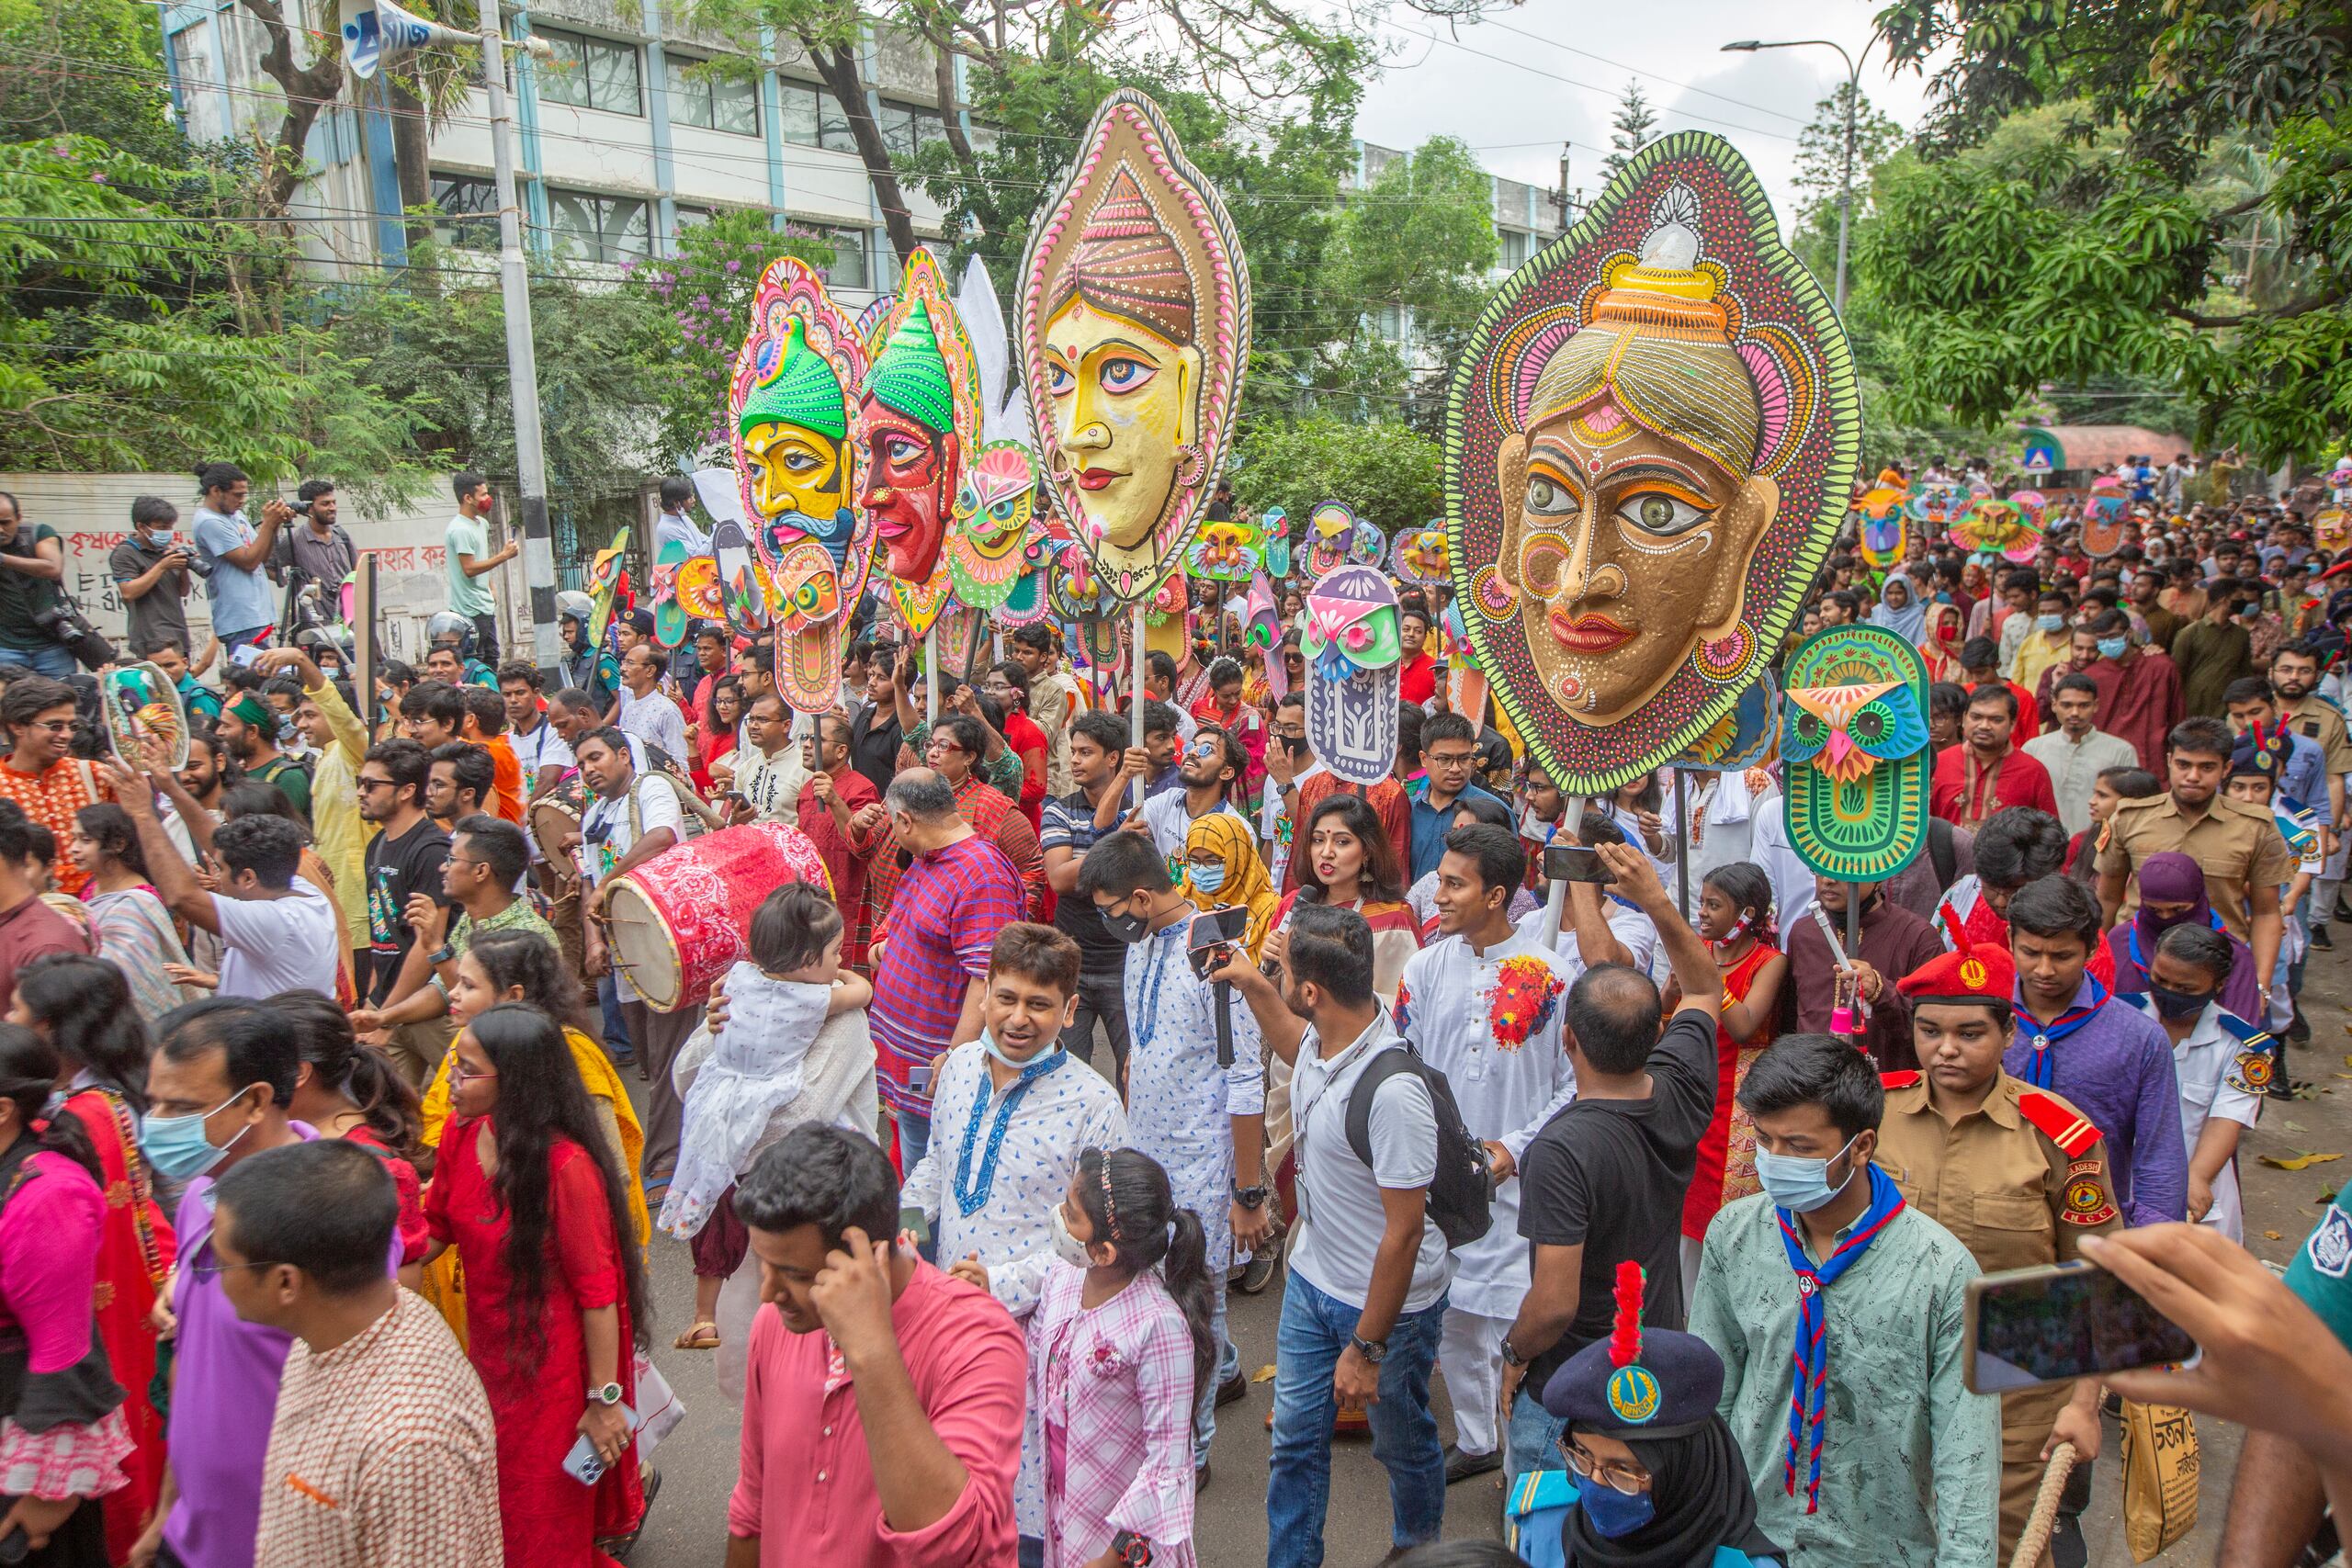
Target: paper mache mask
[(1352, 645), (1854, 753)]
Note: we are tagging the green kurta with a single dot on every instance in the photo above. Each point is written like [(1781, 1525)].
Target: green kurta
[(1910, 1460)]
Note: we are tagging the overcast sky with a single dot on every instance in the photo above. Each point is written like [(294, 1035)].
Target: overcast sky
[(1515, 85)]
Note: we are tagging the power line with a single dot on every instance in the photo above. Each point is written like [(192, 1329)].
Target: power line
[(1651, 75)]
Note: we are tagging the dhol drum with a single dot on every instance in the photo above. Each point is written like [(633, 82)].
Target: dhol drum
[(556, 816), (677, 921)]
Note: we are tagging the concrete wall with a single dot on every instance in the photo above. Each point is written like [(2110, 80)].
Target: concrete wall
[(92, 512)]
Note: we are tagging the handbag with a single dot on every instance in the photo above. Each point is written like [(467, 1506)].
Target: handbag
[(2160, 1468)]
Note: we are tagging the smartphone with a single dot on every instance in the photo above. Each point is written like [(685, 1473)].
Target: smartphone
[(581, 1464), (1219, 925), (1575, 863), (2057, 1322), (247, 655), (918, 1080)]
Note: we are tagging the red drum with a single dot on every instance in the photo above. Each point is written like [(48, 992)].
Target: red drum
[(555, 816), (677, 921)]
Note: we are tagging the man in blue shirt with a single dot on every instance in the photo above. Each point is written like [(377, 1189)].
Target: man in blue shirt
[(1449, 756), (231, 553)]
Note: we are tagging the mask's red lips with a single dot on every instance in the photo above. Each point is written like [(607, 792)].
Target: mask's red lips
[(1588, 634), (1098, 479)]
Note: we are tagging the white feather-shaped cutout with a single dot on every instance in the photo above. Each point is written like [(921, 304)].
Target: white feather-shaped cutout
[(984, 323)]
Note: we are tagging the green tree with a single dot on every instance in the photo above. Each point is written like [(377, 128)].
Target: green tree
[(2156, 192), (1632, 128), (1821, 155), (1387, 471), (1416, 245)]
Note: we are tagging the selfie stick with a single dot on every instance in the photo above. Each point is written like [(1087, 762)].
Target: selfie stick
[(1556, 903), (1135, 694)]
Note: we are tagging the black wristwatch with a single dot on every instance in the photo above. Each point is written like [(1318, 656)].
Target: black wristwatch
[(1130, 1548), (1373, 1350), (1511, 1357), (1250, 1197), (441, 954)]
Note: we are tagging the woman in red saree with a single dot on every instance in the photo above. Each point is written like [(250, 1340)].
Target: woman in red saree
[(536, 1205), (82, 1008), (1736, 917)]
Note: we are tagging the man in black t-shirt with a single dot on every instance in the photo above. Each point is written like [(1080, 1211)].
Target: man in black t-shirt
[(403, 858), (1604, 1180), (874, 732)]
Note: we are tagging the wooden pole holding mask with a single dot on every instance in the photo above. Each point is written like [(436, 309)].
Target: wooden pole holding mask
[(1556, 903)]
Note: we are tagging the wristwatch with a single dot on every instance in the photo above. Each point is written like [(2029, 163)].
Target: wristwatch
[(1373, 1350), (608, 1395), (1511, 1357), (1130, 1549), (1250, 1197), (441, 954)]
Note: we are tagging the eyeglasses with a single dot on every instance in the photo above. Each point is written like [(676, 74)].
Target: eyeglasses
[(1452, 758), (458, 1075), (54, 726), (1618, 1475), (366, 784), (214, 1270)]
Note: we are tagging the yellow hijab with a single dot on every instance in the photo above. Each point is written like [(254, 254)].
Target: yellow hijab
[(1246, 883)]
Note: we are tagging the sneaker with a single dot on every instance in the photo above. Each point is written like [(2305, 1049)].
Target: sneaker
[(1233, 1388), (1460, 1466), (1259, 1272), (2321, 940)]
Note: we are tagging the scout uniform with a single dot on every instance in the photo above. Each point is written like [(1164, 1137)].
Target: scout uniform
[(2311, 718), (2020, 1180), (2237, 846), (2224, 1065)]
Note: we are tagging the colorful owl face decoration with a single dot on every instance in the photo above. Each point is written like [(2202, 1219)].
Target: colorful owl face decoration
[(1418, 555), (1854, 753), (1884, 537), (1028, 601), (1334, 536), (1274, 522), (994, 506), (1352, 647), (1135, 332), (141, 704), (1651, 442), (796, 433), (1086, 608), (2105, 515)]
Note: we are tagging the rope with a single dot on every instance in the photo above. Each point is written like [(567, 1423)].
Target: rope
[(2035, 1539)]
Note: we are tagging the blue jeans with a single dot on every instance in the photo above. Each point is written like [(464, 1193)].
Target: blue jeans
[(914, 1139), (1535, 1430), (608, 1000), (52, 660), (1315, 1329)]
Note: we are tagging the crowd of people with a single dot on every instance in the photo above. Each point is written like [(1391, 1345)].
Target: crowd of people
[(327, 1210)]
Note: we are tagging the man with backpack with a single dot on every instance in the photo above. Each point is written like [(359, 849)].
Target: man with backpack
[(1604, 1180), (1482, 1003), (1369, 1263)]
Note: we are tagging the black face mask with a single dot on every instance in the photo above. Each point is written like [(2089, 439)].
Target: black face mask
[(1294, 744), (2176, 1005), (1128, 928)]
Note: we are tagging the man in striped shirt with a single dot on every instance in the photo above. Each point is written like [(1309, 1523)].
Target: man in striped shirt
[(957, 891)]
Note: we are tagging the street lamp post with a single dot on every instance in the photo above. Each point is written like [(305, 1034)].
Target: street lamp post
[(1853, 94)]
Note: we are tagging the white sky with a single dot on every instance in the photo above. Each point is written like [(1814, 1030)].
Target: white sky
[(1498, 85)]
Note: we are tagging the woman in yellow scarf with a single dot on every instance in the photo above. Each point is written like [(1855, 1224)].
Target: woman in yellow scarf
[(520, 967), (1221, 866)]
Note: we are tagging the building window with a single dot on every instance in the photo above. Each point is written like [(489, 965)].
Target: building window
[(469, 209), (1514, 247), (598, 228), (848, 269), (905, 129), (692, 217), (704, 96), (591, 73), (812, 117)]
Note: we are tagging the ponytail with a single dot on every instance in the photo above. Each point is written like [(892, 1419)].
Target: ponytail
[(1128, 1203), (1185, 1271), (29, 1068)]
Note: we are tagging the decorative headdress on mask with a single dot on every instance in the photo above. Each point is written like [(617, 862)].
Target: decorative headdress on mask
[(1854, 753), (1670, 317)]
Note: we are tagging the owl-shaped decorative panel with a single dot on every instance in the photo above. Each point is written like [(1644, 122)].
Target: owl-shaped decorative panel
[(1854, 753), (1351, 648)]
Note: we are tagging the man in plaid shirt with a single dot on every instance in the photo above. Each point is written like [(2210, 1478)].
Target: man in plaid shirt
[(957, 891)]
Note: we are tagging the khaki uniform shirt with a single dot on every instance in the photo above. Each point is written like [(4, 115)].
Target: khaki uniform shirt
[(2320, 722), (2238, 846), (2014, 1192)]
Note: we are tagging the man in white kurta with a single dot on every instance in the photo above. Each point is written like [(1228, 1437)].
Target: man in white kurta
[(1483, 1004)]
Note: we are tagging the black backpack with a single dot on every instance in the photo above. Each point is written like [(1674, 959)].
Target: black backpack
[(1461, 1196)]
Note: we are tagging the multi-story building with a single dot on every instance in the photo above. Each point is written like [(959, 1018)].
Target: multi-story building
[(1526, 219)]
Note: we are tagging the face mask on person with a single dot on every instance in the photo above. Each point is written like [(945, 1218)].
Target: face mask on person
[(1068, 1247), (176, 1146), (159, 538), (996, 1053), (2114, 647), (1799, 1185), (1128, 928), (1294, 744), (2177, 1005), (1207, 878), (1610, 1513), (2050, 622)]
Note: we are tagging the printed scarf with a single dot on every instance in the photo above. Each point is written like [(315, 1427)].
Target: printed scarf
[(2042, 1068), (1809, 1375)]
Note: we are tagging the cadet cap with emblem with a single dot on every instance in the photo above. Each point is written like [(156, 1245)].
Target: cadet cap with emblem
[(1643, 1383)]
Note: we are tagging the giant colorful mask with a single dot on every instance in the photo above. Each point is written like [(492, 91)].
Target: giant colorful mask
[(141, 704), (994, 506), (796, 437), (1883, 536), (1352, 647), (1983, 524), (1934, 505), (921, 414), (1854, 752), (1227, 550), (1650, 446), (1336, 537), (1135, 332)]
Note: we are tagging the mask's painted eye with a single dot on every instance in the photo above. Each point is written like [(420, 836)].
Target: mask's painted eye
[(1809, 726), (1655, 512), (1548, 498), (897, 451), (800, 461), (1058, 381), (1869, 725), (1003, 510), (1125, 375)]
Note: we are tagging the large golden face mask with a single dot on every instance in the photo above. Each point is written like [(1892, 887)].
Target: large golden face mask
[(1626, 551), (1123, 414)]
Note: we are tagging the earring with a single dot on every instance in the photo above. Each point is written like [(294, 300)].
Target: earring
[(1191, 464)]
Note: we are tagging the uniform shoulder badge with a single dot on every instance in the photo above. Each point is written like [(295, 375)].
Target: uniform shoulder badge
[(2256, 1065), (2059, 1122), (2330, 1247), (2085, 1201), (1899, 1080)]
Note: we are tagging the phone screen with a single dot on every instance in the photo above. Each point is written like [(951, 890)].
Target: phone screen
[(1575, 863), (2050, 1325), (1217, 926)]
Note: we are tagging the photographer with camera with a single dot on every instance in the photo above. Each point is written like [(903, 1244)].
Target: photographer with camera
[(32, 565), (150, 573), (319, 551), (232, 553)]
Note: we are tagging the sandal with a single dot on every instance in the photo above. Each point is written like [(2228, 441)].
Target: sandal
[(702, 1336)]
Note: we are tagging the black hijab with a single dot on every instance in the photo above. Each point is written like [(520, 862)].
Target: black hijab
[(1699, 1490)]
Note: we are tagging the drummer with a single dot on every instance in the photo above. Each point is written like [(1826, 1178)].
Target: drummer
[(631, 818)]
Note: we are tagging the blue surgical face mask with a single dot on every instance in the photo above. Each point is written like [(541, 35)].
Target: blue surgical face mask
[(2114, 647), (1610, 1513), (996, 1053), (176, 1146), (2050, 622), (1798, 1185), (161, 538), (1207, 878)]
